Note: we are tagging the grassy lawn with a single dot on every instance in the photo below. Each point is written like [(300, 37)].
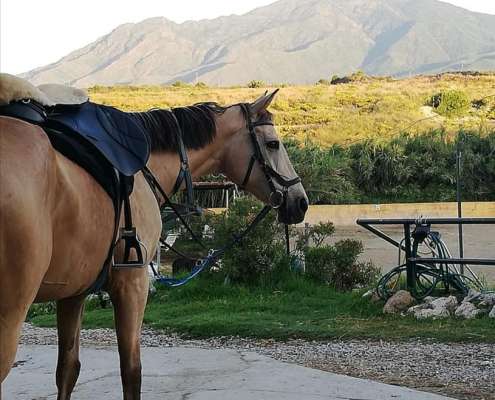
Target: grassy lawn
[(297, 309)]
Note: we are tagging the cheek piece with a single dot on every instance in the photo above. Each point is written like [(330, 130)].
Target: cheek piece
[(277, 197)]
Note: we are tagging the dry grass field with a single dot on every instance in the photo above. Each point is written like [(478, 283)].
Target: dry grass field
[(369, 108)]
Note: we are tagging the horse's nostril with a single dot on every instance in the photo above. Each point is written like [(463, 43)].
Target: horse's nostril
[(303, 204)]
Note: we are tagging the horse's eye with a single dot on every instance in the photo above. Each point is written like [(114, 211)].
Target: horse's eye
[(273, 145)]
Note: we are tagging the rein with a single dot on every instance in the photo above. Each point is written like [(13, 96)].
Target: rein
[(276, 199), (213, 255)]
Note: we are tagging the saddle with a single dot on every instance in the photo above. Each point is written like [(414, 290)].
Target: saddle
[(104, 141), (112, 132)]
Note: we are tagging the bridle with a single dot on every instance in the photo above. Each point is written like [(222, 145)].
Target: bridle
[(277, 197)]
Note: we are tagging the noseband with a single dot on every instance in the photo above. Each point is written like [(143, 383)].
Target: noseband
[(277, 197)]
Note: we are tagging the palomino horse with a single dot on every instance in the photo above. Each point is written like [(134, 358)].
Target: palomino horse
[(57, 222)]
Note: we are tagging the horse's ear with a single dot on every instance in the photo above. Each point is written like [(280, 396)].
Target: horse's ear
[(263, 102)]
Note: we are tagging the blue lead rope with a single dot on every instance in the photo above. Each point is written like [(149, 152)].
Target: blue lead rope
[(205, 263), (212, 257)]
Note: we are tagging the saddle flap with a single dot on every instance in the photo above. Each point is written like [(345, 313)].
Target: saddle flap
[(123, 142)]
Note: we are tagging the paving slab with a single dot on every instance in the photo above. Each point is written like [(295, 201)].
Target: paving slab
[(193, 374)]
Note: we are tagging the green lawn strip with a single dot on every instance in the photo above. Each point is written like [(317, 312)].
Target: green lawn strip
[(297, 310)]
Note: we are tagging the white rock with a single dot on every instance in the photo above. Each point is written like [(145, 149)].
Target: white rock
[(434, 313), (448, 303), (419, 307), (492, 313), (473, 295), (467, 310), (429, 299), (487, 300)]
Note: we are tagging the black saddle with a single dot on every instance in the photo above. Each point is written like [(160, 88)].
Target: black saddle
[(116, 135), (122, 147)]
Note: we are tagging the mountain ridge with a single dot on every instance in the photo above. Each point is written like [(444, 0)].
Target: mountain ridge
[(287, 41)]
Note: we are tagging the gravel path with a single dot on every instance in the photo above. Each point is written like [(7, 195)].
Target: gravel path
[(463, 371)]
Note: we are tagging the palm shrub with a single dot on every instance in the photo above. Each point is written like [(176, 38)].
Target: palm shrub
[(326, 173)]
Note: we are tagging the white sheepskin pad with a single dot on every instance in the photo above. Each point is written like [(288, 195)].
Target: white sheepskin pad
[(13, 88), (61, 94)]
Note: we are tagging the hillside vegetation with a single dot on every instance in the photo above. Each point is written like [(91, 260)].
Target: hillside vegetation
[(368, 140), (335, 114)]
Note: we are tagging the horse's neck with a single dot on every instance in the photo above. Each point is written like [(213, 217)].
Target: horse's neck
[(166, 166)]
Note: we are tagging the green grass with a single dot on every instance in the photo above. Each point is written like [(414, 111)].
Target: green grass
[(297, 309)]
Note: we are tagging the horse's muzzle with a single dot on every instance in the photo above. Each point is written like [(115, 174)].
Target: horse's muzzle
[(293, 211)]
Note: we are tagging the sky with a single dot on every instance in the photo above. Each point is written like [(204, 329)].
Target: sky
[(34, 33)]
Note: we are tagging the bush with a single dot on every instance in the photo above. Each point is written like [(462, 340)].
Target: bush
[(451, 103), (256, 84), (335, 265), (261, 256), (180, 84)]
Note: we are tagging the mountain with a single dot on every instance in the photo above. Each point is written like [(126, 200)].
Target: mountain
[(293, 41)]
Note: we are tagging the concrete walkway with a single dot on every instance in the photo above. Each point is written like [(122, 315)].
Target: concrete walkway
[(193, 374)]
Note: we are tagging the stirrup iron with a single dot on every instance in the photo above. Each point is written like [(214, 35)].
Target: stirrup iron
[(131, 242)]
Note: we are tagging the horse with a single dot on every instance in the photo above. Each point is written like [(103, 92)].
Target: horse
[(57, 223)]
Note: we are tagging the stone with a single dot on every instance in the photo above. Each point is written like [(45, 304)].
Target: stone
[(435, 308), (414, 309), (448, 303), (400, 301), (472, 296), (467, 310), (433, 313), (429, 299), (487, 300), (492, 313)]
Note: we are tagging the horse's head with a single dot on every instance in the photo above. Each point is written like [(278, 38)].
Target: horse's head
[(256, 160)]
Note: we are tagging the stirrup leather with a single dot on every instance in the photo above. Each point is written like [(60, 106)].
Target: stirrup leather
[(128, 233)]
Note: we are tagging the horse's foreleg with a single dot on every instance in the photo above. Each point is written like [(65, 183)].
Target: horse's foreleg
[(69, 317), (129, 291)]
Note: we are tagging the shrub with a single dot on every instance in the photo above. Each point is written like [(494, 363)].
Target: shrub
[(451, 103), (261, 255), (180, 84), (336, 264), (324, 82), (255, 84)]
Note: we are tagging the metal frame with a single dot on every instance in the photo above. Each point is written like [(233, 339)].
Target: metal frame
[(407, 246)]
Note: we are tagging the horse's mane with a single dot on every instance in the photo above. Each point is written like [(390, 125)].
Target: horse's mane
[(196, 124)]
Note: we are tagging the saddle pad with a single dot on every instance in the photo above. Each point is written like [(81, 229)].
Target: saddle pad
[(123, 142)]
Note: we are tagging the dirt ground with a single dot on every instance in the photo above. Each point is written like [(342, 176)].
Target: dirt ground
[(479, 242)]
